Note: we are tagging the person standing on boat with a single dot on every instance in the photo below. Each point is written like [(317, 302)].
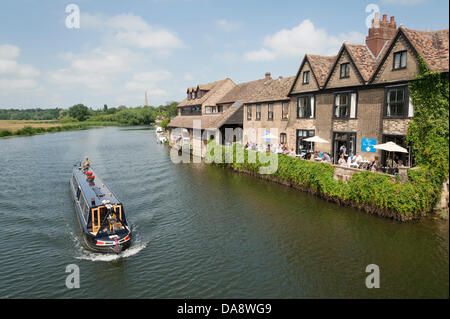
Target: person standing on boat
[(86, 164)]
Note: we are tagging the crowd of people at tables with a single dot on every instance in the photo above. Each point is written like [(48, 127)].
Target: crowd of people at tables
[(346, 160)]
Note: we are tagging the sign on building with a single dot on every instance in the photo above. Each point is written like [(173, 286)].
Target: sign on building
[(367, 145)]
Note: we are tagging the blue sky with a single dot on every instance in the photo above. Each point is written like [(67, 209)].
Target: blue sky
[(124, 48)]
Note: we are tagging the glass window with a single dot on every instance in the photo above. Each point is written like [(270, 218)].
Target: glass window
[(343, 139), (387, 157), (283, 138), (210, 109), (303, 146), (304, 107), (270, 111), (249, 112), (258, 111), (399, 60), (345, 70), (342, 106), (306, 77), (395, 102), (284, 110)]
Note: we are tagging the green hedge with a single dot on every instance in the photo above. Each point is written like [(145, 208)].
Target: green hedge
[(28, 130), (371, 191)]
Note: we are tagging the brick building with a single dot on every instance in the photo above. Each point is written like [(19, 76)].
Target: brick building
[(360, 97), (357, 98)]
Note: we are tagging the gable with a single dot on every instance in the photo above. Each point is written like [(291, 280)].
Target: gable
[(334, 80), (385, 72), (299, 86)]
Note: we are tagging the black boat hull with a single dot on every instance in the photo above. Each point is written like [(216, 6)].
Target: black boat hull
[(89, 241)]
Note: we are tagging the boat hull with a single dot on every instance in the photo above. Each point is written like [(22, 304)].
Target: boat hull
[(88, 240)]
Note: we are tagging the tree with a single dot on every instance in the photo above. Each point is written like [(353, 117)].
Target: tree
[(79, 112)]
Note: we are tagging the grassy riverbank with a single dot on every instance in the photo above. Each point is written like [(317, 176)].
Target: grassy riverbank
[(10, 128)]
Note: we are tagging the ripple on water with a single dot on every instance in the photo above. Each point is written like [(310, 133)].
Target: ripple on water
[(198, 231)]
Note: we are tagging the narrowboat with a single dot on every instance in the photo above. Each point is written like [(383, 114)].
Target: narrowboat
[(100, 215)]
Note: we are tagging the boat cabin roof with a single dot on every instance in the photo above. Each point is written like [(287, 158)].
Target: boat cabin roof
[(95, 189)]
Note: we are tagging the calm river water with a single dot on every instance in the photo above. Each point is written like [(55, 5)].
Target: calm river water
[(200, 231)]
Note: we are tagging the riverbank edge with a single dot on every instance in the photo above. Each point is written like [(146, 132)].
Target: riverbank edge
[(341, 202), (31, 131), (370, 209)]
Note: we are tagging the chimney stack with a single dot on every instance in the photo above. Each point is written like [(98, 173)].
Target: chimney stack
[(268, 77), (380, 32)]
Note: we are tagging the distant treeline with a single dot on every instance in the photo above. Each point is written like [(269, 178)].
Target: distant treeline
[(140, 115)]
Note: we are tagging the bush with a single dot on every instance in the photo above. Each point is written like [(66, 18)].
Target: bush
[(371, 190), (5, 133)]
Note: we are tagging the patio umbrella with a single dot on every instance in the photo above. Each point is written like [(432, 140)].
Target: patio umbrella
[(315, 139), (391, 147)]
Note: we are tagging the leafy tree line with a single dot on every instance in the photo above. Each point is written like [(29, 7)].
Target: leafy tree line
[(30, 114), (140, 115)]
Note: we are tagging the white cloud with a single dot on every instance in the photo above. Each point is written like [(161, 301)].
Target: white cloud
[(131, 30), (96, 69), (18, 84), (8, 51), (227, 25), (304, 38), (14, 75), (148, 81)]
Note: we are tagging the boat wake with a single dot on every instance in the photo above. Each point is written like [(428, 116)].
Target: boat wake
[(133, 250), (85, 254)]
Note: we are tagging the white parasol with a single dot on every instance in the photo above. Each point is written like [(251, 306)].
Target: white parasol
[(391, 147), (315, 139)]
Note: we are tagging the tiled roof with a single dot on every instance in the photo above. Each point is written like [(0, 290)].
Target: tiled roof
[(211, 97), (432, 46), (207, 120), (242, 91), (187, 121), (321, 66), (362, 57), (273, 90)]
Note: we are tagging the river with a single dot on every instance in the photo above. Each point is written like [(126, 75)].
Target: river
[(199, 231)]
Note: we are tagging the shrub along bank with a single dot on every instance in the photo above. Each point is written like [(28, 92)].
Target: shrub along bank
[(28, 130), (372, 192)]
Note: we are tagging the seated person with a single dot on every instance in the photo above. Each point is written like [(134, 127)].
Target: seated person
[(342, 161), (316, 155), (326, 158), (357, 159), (292, 153), (375, 165), (86, 164)]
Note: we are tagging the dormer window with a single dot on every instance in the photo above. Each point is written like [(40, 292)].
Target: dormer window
[(399, 60), (305, 77), (345, 70), (195, 94)]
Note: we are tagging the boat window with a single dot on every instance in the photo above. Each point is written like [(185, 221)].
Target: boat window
[(75, 183), (98, 215), (118, 210), (95, 219), (82, 203)]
